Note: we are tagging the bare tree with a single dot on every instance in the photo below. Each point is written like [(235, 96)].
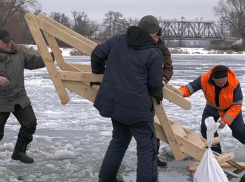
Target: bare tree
[(232, 12), (61, 18), (114, 24), (93, 29), (9, 7)]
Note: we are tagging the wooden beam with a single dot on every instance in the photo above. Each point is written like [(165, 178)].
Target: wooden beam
[(38, 38), (80, 76), (64, 36), (81, 89), (83, 67), (57, 54), (173, 142), (175, 90), (176, 98), (64, 28)]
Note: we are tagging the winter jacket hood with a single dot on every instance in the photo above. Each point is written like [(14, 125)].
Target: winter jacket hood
[(139, 38)]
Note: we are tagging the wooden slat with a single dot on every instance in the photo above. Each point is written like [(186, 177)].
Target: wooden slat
[(172, 88), (80, 76), (64, 36), (195, 138), (176, 99), (178, 129), (64, 28), (83, 67), (56, 51), (215, 140), (190, 148), (178, 155), (81, 89), (159, 131), (38, 38), (223, 165)]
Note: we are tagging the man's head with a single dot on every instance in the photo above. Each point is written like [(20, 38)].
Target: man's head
[(220, 75), (150, 24), (5, 40)]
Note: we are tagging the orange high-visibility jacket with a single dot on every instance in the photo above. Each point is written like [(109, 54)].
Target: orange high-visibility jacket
[(230, 97)]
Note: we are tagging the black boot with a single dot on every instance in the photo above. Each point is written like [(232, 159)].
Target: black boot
[(161, 163), (20, 152)]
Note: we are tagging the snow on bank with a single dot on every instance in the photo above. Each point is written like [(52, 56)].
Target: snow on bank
[(182, 50)]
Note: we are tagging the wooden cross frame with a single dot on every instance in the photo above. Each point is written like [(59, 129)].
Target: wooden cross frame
[(77, 78)]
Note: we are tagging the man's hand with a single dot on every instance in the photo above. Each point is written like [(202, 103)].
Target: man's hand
[(165, 79), (3, 81), (222, 124)]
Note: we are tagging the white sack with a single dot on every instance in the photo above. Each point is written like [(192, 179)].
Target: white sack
[(209, 169)]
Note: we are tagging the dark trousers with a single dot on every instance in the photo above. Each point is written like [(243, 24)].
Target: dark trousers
[(237, 127), (144, 134), (26, 118)]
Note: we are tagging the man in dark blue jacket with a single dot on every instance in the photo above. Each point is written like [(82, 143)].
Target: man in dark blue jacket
[(132, 68)]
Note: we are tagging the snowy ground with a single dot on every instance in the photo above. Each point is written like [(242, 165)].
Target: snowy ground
[(71, 139)]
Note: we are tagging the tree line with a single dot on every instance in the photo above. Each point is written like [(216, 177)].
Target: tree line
[(231, 22)]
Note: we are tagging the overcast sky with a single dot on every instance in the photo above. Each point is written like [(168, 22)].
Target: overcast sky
[(167, 9)]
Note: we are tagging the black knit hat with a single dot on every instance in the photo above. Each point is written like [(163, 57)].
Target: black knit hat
[(220, 72), (149, 23), (4, 36)]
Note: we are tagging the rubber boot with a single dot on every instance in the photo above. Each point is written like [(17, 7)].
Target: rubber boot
[(20, 152), (161, 163)]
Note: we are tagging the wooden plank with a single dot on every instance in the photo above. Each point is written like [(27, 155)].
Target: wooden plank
[(81, 89), (57, 54), (38, 38), (168, 131), (64, 28), (178, 129), (80, 76), (190, 148), (83, 67), (159, 131), (231, 162), (172, 88), (195, 138), (223, 165), (215, 140), (176, 99), (64, 36), (225, 157)]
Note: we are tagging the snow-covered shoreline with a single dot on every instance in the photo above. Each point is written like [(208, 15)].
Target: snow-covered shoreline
[(181, 51)]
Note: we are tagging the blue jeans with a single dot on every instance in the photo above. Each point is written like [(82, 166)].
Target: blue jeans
[(144, 134)]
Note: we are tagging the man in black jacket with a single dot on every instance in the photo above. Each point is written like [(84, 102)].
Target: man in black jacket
[(133, 73)]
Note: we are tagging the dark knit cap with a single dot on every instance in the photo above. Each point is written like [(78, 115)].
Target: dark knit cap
[(220, 72), (149, 23), (4, 36)]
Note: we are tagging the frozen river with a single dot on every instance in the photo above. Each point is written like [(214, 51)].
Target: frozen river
[(71, 139)]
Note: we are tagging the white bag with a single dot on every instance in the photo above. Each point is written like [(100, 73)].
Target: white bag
[(209, 169)]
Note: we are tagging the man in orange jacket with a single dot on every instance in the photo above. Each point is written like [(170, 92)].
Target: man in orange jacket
[(224, 97)]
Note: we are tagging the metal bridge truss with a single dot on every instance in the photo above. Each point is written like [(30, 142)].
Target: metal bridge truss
[(190, 30)]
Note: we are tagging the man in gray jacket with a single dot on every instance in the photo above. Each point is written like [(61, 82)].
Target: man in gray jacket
[(13, 97)]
